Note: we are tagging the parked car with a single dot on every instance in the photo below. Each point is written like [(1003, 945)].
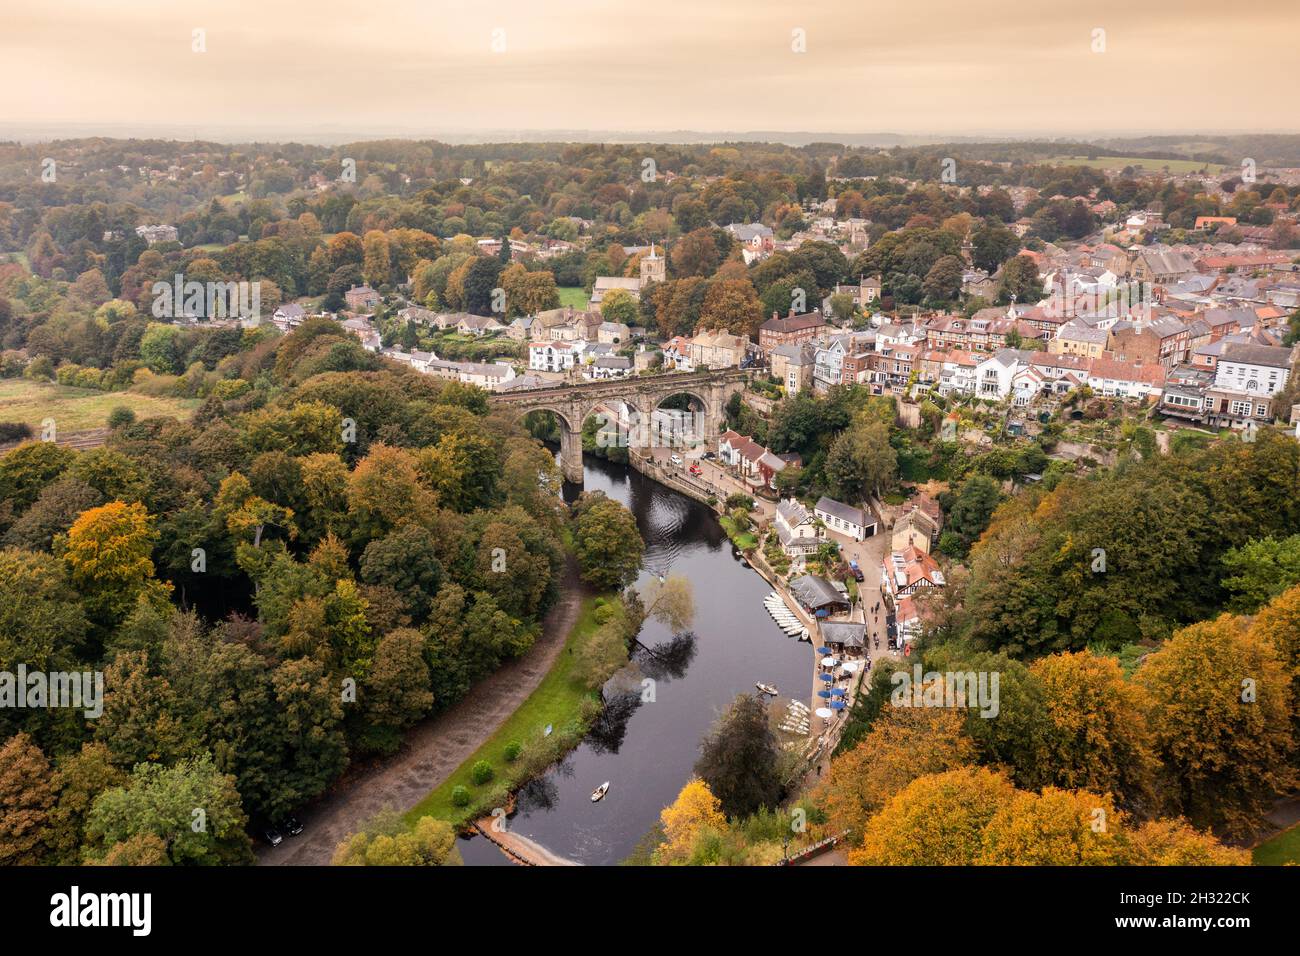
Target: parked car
[(676, 460), (856, 571), (292, 826), (272, 836), (696, 469)]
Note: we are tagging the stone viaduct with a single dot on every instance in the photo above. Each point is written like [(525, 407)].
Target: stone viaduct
[(573, 403)]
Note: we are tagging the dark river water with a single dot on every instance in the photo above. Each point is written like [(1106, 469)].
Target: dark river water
[(646, 750)]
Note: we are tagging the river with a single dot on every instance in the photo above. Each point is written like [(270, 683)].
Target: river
[(647, 750)]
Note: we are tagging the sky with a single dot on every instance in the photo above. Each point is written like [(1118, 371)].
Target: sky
[(425, 66)]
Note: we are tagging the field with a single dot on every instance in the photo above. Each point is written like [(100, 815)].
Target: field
[(573, 296), (1282, 849), (1146, 162), (557, 701), (77, 409)]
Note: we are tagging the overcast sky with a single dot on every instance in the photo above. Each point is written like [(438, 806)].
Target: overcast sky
[(910, 66)]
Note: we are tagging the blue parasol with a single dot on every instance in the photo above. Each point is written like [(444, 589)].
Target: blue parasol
[(826, 677), (824, 650), (839, 692), (838, 705), (824, 693)]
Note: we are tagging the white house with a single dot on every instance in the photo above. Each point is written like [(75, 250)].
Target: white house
[(1253, 369), (550, 356), (995, 374), (845, 519), (796, 529), (610, 366)]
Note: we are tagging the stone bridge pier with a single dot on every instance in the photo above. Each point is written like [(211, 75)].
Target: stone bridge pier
[(572, 404)]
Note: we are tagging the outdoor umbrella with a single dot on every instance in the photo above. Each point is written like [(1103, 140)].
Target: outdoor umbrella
[(823, 650), (837, 705), (823, 712), (826, 677), (829, 662), (823, 693), (838, 692)]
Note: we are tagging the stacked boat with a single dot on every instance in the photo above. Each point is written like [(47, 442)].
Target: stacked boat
[(785, 619), (795, 720)]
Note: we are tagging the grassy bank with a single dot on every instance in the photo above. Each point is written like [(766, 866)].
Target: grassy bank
[(744, 540), (1279, 851), (558, 701), (77, 409)]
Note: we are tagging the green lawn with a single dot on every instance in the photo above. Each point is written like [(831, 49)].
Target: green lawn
[(744, 540), (77, 409), (1146, 162), (557, 701), (1282, 849), (573, 296)]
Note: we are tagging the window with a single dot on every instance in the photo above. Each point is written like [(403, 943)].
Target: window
[(1241, 409)]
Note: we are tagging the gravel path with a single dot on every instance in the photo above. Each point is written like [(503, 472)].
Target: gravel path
[(433, 748)]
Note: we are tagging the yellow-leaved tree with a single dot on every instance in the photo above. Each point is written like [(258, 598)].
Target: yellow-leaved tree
[(107, 551), (936, 820), (695, 810), (1220, 712), (904, 743)]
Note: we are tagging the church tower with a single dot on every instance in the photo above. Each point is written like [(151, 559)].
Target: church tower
[(654, 268)]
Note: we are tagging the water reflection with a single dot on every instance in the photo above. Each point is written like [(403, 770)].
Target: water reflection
[(646, 743)]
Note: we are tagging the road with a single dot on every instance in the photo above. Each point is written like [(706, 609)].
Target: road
[(434, 748)]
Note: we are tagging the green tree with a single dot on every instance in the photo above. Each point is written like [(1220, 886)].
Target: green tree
[(739, 759), (607, 543), (166, 802)]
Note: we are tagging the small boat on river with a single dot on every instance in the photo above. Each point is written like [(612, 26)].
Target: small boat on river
[(766, 688), (599, 793)]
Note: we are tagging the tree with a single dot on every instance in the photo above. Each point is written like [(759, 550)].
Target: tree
[(376, 265), (397, 693), (861, 462), (169, 803), (406, 561), (969, 513), (1097, 737), (1055, 828), (936, 820), (942, 284), (1278, 625), (82, 776), (1260, 570), (608, 544), (617, 305), (385, 490), (903, 744), (1174, 843), (107, 551), (26, 797), (387, 842), (1220, 714), (738, 759), (42, 623), (695, 811), (731, 304), (695, 254), (1021, 281), (992, 244)]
